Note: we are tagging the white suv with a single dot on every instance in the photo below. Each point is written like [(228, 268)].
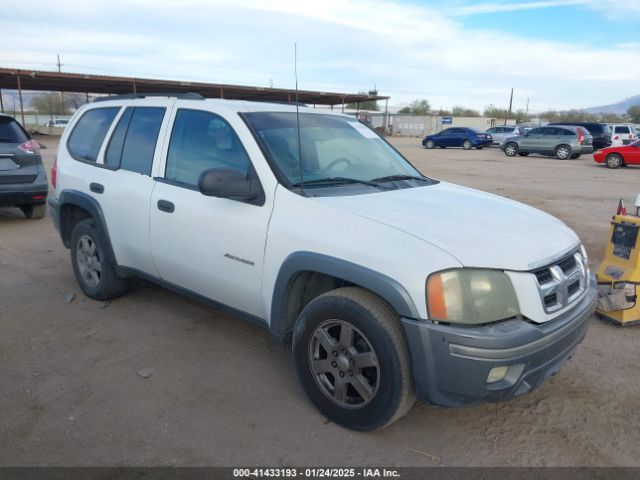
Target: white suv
[(622, 135), (385, 282)]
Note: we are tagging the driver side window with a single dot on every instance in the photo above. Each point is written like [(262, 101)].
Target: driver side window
[(199, 141)]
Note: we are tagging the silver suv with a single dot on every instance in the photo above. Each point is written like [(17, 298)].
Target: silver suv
[(502, 132), (560, 141)]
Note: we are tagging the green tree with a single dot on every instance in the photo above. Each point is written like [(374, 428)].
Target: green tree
[(367, 104), (634, 113), (50, 104), (459, 111), (417, 107)]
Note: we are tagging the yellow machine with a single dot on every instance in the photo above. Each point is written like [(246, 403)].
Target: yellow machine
[(619, 273)]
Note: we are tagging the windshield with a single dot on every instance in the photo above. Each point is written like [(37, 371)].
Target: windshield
[(332, 147)]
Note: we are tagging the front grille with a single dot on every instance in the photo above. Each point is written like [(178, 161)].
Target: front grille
[(562, 282)]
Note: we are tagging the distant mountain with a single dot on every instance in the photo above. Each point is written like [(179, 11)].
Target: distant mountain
[(619, 108)]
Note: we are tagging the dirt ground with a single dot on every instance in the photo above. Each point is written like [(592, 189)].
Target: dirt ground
[(220, 393)]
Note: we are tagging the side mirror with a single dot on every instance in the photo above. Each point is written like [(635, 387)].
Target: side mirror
[(227, 183)]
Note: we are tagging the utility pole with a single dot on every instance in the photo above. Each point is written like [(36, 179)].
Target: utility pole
[(60, 71), (526, 113), (510, 106)]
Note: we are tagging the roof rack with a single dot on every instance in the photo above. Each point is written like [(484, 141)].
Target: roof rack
[(132, 96)]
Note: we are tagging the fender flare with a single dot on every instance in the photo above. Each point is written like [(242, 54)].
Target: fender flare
[(91, 205), (386, 287)]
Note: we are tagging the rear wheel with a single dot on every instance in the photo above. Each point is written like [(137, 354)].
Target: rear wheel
[(352, 359), (34, 212), (467, 145), (563, 152), (614, 160), (93, 270), (511, 149), (429, 144)]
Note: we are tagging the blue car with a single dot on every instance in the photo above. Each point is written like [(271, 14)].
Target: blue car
[(466, 138)]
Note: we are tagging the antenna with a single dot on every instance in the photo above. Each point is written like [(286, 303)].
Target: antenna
[(295, 68)]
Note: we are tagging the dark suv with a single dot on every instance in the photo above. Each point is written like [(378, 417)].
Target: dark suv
[(23, 181), (599, 131)]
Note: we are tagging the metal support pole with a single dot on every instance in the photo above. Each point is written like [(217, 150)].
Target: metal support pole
[(385, 130), (86, 96), (342, 104), (1, 102), (20, 94), (135, 87), (289, 97), (221, 92)]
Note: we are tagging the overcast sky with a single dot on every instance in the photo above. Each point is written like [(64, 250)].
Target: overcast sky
[(558, 53)]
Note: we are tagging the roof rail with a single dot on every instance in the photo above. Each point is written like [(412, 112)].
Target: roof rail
[(132, 96)]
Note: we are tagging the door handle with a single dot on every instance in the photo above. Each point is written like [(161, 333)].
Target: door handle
[(166, 206), (96, 187)]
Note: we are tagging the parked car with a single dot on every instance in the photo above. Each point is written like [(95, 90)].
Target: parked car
[(58, 122), (599, 131), (622, 135), (485, 300), (561, 141), (466, 138), (23, 181), (619, 156), (500, 133)]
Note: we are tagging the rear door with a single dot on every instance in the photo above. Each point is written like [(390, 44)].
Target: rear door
[(123, 187), (16, 165)]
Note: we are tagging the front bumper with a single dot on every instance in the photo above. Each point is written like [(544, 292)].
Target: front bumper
[(451, 364)]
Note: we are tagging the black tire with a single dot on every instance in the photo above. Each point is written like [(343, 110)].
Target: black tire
[(377, 329), (102, 285), (614, 160), (523, 154), (563, 152), (575, 155), (429, 144), (511, 149), (467, 145), (34, 212)]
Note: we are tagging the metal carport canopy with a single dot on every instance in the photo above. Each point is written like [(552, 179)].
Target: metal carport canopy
[(19, 79)]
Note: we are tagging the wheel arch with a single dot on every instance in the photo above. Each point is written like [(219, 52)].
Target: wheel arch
[(75, 206), (305, 275)]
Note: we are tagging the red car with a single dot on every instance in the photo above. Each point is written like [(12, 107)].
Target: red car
[(621, 156)]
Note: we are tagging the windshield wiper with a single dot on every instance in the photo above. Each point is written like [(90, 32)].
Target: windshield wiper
[(391, 178), (336, 181)]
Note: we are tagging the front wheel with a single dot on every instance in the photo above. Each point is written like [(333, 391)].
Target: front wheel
[(563, 152), (614, 160), (511, 149), (93, 270), (429, 144), (467, 145), (352, 359)]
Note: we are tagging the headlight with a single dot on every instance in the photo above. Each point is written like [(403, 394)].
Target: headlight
[(471, 296)]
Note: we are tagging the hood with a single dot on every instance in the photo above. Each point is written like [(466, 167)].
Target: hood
[(478, 229)]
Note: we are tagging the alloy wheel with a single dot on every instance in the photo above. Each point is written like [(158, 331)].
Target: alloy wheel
[(89, 262), (344, 364)]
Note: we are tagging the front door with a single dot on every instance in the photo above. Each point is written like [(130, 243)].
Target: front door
[(211, 246)]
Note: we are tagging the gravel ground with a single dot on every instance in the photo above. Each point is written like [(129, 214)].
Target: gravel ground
[(218, 392)]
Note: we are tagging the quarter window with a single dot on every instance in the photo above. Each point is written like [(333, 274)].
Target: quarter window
[(86, 139), (201, 141)]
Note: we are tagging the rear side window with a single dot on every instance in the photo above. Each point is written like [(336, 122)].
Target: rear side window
[(134, 139), (566, 132), (11, 131), (200, 141), (88, 134)]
